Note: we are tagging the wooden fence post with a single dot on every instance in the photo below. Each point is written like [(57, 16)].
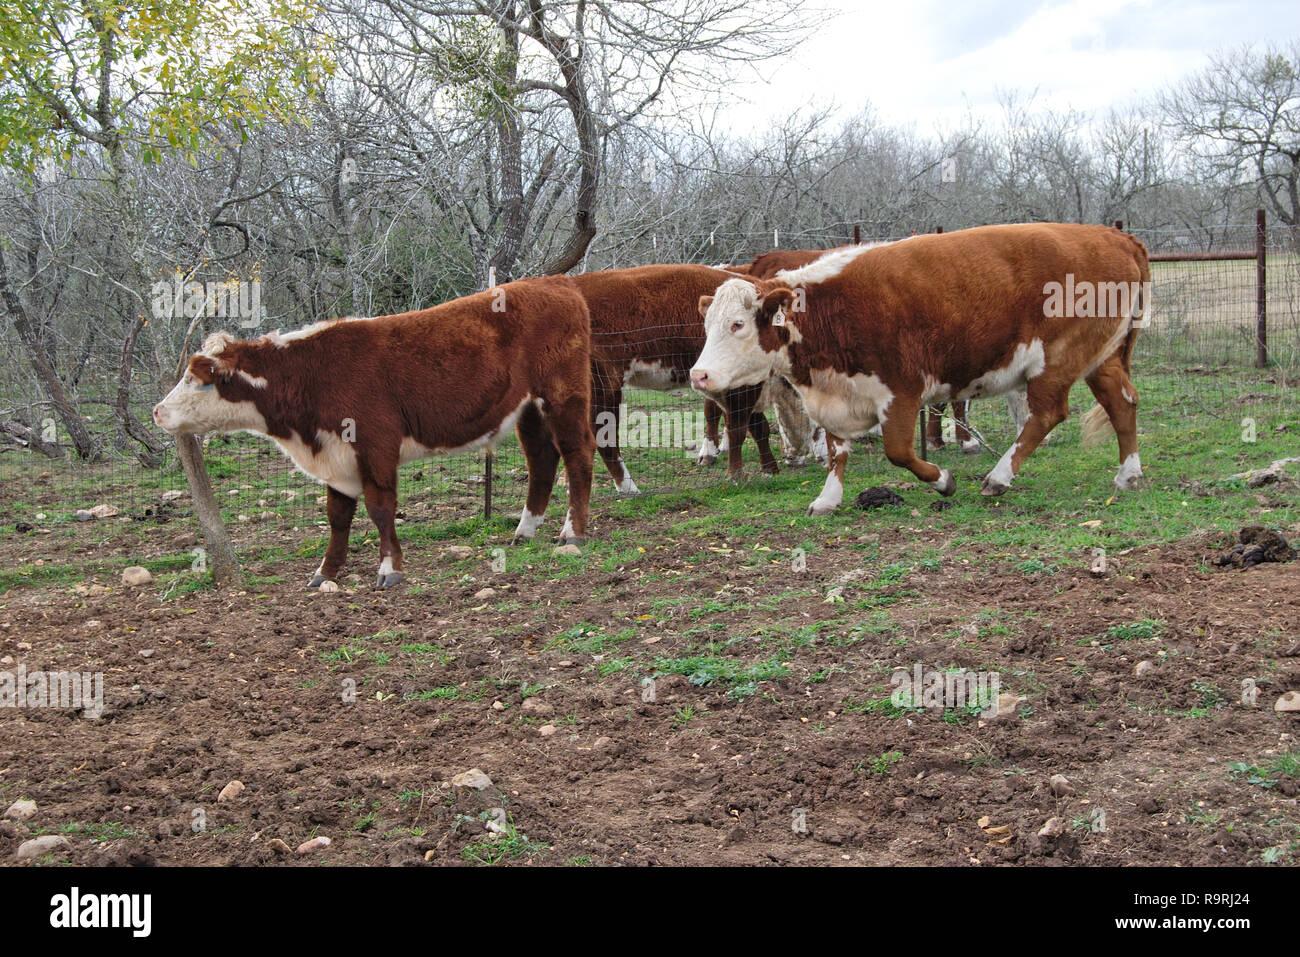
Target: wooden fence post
[(1261, 292)]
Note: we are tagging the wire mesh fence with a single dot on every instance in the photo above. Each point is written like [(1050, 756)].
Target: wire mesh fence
[(1200, 338)]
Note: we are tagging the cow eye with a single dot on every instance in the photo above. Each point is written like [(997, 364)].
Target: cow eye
[(737, 326)]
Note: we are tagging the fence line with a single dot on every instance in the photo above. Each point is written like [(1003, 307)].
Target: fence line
[(1215, 315)]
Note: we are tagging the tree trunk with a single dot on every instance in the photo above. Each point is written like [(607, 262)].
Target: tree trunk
[(82, 440), (150, 452)]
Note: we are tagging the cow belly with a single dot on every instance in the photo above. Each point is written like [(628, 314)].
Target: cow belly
[(335, 464), (848, 406), (651, 375), (1027, 362)]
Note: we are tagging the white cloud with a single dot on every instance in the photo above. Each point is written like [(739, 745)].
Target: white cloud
[(928, 64)]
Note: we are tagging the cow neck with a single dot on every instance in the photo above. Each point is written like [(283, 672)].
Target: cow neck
[(824, 335), (286, 403)]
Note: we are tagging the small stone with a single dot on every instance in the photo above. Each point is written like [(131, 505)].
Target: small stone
[(83, 515), (230, 791), (458, 553), (1288, 702), (20, 810), (1143, 667), (328, 586), (188, 540), (172, 495), (498, 706), (136, 577), (315, 844), (570, 550), (94, 624), (146, 652), (1054, 827), (40, 846), (601, 741), (484, 593), (1008, 704), (534, 706), (473, 778), (279, 846), (546, 730), (103, 511), (430, 854), (1061, 785)]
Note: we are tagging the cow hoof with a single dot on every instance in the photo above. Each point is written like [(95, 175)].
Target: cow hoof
[(992, 488), (773, 470), (946, 484), (573, 540), (737, 478), (971, 447), (933, 446), (816, 508), (391, 580), (317, 581), (520, 540), (797, 461), (707, 460)]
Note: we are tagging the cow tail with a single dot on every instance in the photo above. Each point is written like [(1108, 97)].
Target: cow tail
[(1096, 426)]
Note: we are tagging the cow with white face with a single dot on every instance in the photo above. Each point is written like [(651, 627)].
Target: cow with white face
[(349, 401), (868, 336)]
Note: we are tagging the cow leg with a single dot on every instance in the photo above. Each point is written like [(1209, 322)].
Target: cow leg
[(1115, 393), (543, 458), (339, 509), (900, 448), (934, 426), (381, 504), (740, 406), (1018, 407), (762, 433), (709, 448), (961, 421), (605, 403), (1047, 410), (792, 420), (837, 453), (568, 424)]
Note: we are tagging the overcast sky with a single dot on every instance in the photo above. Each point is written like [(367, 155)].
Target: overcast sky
[(930, 62)]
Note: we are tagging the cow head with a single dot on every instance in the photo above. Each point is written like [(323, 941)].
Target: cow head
[(745, 334), (214, 395)]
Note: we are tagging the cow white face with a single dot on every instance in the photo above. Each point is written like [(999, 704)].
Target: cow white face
[(745, 334), (195, 405)]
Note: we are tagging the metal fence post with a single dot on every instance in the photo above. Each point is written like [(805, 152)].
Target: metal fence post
[(487, 485), (1261, 292)]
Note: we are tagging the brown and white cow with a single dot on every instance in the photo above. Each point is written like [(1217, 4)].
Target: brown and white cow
[(646, 333), (768, 265), (869, 336), (350, 400)]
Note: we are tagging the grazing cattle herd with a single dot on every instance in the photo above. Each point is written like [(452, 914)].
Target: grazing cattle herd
[(839, 343)]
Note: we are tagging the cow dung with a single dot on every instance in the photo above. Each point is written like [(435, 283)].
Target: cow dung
[(1256, 545), (877, 497)]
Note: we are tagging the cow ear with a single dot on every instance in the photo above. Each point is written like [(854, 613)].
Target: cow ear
[(705, 302), (202, 368), (774, 307)]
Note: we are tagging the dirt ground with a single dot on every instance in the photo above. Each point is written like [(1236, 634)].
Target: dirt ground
[(207, 688)]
